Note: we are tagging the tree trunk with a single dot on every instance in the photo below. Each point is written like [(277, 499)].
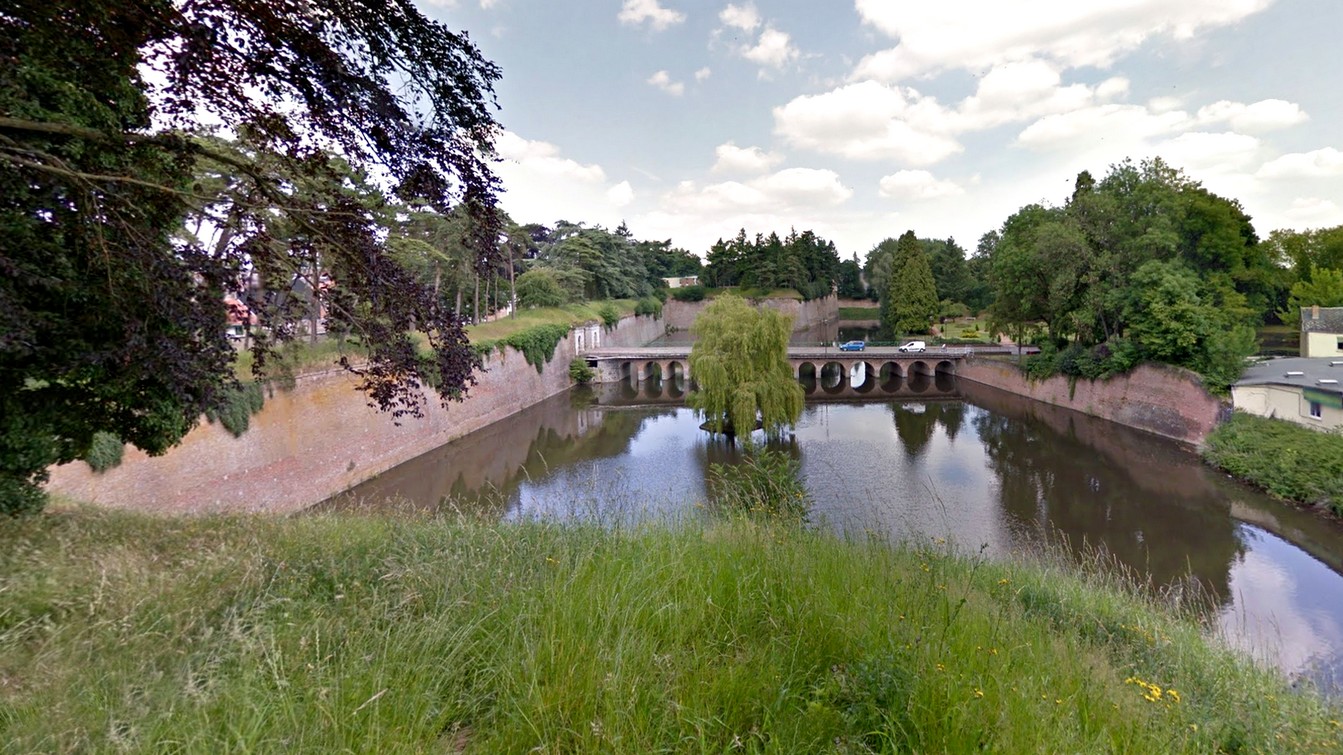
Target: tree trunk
[(314, 303), (512, 287)]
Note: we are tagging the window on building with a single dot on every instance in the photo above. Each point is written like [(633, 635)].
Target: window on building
[(1340, 344), (1315, 410)]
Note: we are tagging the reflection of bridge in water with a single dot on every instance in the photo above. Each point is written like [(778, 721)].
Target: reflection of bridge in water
[(663, 372)]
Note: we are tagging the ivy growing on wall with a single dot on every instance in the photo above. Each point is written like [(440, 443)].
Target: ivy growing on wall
[(536, 343), (610, 315)]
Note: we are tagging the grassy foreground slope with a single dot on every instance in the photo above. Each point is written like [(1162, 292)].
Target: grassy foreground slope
[(429, 635)]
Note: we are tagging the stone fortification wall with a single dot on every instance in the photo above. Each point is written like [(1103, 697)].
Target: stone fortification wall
[(806, 314), (1163, 400), (321, 438)]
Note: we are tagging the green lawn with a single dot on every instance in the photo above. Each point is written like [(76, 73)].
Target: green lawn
[(965, 330)]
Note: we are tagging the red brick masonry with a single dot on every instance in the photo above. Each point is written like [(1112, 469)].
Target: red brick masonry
[(1163, 400), (319, 439)]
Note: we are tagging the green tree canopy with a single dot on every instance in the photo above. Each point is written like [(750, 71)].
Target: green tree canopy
[(539, 288), (1324, 289), (112, 314), (801, 261), (1143, 264), (910, 304), (740, 366)]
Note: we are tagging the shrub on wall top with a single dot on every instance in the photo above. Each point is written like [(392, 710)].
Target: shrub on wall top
[(648, 306), (609, 314), (689, 293)]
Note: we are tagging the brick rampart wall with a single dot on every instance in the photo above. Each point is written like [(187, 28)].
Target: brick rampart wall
[(1163, 400), (320, 438)]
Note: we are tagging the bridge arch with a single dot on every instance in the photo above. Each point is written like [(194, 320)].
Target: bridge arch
[(920, 376), (863, 377), (944, 375), (890, 377), (833, 377)]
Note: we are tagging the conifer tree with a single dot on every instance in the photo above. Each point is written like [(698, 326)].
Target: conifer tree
[(910, 303)]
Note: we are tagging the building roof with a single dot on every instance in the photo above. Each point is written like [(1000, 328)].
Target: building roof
[(1274, 372), (1330, 320)]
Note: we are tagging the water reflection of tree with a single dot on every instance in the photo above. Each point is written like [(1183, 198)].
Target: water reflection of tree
[(610, 438), (720, 450), (915, 424), (952, 415), (1051, 483), (482, 471)]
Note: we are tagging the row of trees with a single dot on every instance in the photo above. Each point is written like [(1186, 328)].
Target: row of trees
[(1145, 264), (804, 262)]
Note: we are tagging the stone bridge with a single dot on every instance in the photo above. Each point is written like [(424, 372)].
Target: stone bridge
[(824, 366)]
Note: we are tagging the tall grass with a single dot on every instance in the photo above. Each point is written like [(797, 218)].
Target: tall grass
[(318, 634)]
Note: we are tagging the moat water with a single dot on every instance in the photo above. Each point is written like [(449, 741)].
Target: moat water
[(987, 470)]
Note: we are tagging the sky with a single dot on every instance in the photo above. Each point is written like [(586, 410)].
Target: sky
[(688, 120)]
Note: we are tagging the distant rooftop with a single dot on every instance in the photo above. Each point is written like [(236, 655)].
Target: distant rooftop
[(1329, 321), (1275, 372)]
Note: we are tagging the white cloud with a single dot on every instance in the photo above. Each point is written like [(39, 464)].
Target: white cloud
[(917, 184), (1200, 151), (621, 194), (1321, 163), (703, 74), (543, 157), (791, 188), (868, 121), (1265, 115), (774, 49), (543, 186), (1164, 104), (971, 34), (1026, 89), (695, 213), (804, 186), (734, 159), (635, 12), (872, 120), (663, 80), (1112, 88), (1124, 126), (744, 17), (1315, 211)]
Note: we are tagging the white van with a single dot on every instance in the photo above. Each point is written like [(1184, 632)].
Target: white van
[(914, 347)]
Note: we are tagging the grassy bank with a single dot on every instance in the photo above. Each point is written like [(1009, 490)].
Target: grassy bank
[(860, 313), (1284, 458), (119, 632), (568, 315)]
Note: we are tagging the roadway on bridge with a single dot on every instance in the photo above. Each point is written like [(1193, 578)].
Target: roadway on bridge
[(660, 353)]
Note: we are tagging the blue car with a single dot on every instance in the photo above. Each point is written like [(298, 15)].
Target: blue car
[(852, 346)]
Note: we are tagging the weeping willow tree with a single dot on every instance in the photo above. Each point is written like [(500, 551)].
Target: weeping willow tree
[(740, 366)]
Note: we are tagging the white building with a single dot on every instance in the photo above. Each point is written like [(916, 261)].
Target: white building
[(1305, 391), (1322, 332)]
